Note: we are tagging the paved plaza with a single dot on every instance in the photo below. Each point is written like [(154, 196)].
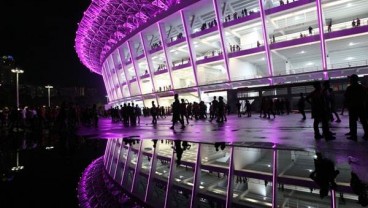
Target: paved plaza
[(287, 132)]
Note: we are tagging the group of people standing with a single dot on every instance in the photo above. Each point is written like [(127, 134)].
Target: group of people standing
[(323, 108)]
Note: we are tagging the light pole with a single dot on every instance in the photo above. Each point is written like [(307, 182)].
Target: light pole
[(49, 87), (17, 72)]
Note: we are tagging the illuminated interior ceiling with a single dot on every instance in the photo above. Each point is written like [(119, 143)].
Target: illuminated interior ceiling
[(106, 22)]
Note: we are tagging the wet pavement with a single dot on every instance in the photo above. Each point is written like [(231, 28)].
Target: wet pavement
[(286, 131), (50, 175)]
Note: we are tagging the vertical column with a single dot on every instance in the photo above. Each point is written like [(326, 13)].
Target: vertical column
[(108, 77), (121, 148), (122, 60), (274, 176), (170, 180), (222, 35), (322, 37), (137, 166), (106, 151), (114, 62), (151, 172), (107, 70), (192, 54), (113, 73), (265, 40), (333, 198), (149, 62), (107, 83), (112, 155), (135, 66), (229, 195), (126, 165), (161, 28), (197, 178), (108, 154)]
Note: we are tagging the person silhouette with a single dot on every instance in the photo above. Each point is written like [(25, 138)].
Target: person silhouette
[(356, 100), (324, 174), (319, 112), (301, 105), (176, 112)]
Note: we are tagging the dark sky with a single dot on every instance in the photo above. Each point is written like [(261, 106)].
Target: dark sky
[(40, 35)]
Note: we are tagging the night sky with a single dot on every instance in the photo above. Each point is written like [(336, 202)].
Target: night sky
[(40, 35)]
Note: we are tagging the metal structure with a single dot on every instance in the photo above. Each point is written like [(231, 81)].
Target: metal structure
[(17, 72), (115, 38), (48, 87)]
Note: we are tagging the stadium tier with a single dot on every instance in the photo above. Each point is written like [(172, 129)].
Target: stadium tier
[(149, 50)]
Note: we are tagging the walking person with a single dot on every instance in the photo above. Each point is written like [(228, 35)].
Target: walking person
[(333, 106), (356, 100), (214, 108), (301, 106), (319, 112), (138, 113), (310, 30), (238, 107), (183, 111), (154, 113), (221, 110), (249, 108), (176, 112)]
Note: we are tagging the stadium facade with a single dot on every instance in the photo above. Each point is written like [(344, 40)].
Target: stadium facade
[(148, 50)]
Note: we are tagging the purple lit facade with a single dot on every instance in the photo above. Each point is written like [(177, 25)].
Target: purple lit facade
[(148, 50)]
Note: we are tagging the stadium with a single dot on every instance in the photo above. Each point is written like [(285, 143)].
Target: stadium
[(150, 50)]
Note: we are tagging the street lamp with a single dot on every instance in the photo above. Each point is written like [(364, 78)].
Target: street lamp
[(49, 87), (17, 72)]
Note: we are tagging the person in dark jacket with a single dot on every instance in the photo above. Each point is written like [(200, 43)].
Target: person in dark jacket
[(176, 113), (356, 100)]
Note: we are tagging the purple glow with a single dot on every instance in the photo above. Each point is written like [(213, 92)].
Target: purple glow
[(170, 179), (197, 172), (187, 36), (112, 156), (120, 85), (118, 158), (123, 68), (97, 31), (149, 64), (333, 198), (109, 79), (137, 165), (265, 39), (224, 51), (274, 176), (110, 60), (229, 195), (322, 37), (151, 172), (125, 165), (135, 66), (106, 84), (163, 42)]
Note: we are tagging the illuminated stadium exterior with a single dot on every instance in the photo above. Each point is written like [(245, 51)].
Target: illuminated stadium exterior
[(148, 50)]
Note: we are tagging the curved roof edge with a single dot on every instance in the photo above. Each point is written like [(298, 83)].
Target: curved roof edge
[(106, 24)]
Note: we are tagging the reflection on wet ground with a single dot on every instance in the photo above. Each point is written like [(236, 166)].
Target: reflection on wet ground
[(43, 169), (242, 158)]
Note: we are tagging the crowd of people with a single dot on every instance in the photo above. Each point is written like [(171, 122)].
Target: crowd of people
[(156, 45), (208, 25), (31, 127)]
